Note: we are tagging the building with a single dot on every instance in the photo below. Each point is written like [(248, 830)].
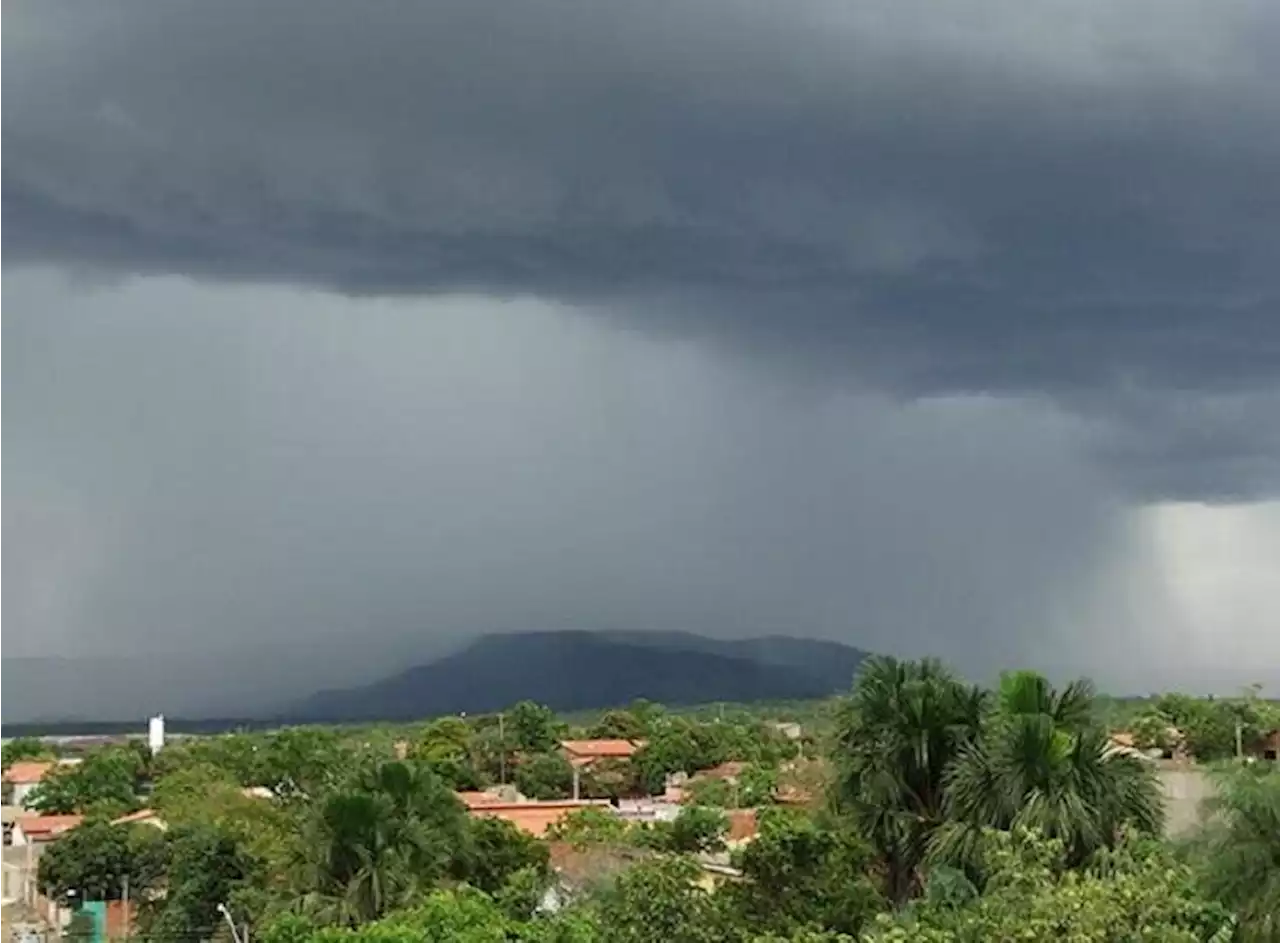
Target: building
[(23, 777), (584, 754), (532, 817), (38, 829)]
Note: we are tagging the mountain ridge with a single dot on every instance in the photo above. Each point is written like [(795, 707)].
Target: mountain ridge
[(579, 670)]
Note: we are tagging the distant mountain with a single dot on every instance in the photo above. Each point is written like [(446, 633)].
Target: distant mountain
[(582, 670)]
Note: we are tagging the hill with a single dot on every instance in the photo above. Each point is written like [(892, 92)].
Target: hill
[(581, 670)]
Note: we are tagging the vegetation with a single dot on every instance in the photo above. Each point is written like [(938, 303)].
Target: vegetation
[(918, 808)]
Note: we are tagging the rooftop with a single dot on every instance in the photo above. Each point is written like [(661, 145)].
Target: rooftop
[(587, 750), (42, 827), (535, 818), (27, 772)]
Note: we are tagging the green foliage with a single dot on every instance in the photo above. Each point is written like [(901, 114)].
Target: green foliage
[(798, 875), (1241, 852), (99, 860), (106, 782), (378, 846), (898, 735), (24, 748), (712, 792), (1017, 787), (497, 851), (682, 744), (445, 749), (205, 868), (545, 776), (619, 725), (659, 901), (1042, 763), (756, 786), (696, 828), (1132, 894), (534, 728), (589, 826)]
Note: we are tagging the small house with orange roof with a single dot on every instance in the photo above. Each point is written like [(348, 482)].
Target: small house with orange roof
[(583, 754), (36, 829), (534, 818), (586, 752), (24, 776)]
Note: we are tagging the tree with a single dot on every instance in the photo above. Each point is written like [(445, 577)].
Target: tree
[(697, 828), (300, 762), (533, 728), (497, 851), (99, 860), (659, 901), (545, 776), (445, 749), (1242, 865), (107, 782), (205, 868), (798, 874), (1043, 763), (589, 826), (24, 748), (618, 725), (897, 735), (379, 846), (1133, 893)]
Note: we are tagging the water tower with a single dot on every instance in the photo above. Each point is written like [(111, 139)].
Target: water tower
[(155, 733)]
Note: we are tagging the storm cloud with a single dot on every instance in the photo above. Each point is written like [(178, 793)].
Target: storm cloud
[(723, 316)]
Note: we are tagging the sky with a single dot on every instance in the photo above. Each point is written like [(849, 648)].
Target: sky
[(337, 334)]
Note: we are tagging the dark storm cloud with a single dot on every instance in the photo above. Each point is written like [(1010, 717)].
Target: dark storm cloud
[(1076, 200), (263, 491)]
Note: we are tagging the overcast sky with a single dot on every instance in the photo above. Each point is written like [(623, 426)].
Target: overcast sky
[(354, 330)]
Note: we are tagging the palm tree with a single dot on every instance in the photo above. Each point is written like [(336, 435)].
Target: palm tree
[(1242, 867), (1043, 762), (375, 846), (899, 731)]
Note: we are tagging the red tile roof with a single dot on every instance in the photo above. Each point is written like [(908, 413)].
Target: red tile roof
[(586, 751), (27, 772), (45, 827), (534, 817)]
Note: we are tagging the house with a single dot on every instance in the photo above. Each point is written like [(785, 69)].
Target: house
[(1268, 746), (535, 818), (791, 731), (37, 829), (582, 753), (23, 777)]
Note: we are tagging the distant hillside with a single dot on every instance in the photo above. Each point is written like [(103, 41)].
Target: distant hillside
[(582, 670)]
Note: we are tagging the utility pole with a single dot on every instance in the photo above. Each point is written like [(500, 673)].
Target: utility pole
[(1239, 741), (124, 900)]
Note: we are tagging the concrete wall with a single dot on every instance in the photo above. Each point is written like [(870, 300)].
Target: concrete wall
[(1185, 790)]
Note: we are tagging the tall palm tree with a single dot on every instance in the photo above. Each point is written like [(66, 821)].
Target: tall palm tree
[(1043, 762), (899, 731)]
